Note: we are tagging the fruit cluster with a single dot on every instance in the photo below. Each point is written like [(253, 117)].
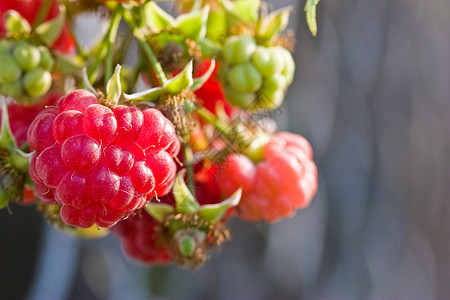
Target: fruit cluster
[(255, 77), (25, 69), (164, 167)]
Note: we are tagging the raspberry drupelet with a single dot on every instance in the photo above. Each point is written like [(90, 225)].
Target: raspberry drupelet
[(100, 163)]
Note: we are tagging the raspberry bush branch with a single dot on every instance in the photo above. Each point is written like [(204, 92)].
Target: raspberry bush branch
[(163, 164)]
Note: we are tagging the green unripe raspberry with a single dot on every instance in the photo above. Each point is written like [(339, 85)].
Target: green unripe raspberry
[(13, 90), (9, 69), (243, 100), (289, 64), (37, 82), (244, 78), (47, 60), (5, 47), (27, 56), (269, 100), (238, 49), (274, 83), (268, 61)]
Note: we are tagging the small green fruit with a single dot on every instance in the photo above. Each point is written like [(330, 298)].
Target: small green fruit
[(27, 56), (13, 90), (274, 83), (267, 61), (244, 78), (37, 82), (9, 69), (243, 100), (238, 49), (47, 60)]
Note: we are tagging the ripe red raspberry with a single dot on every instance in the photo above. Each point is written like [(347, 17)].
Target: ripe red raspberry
[(274, 188), (139, 239), (100, 164), (211, 93), (21, 116)]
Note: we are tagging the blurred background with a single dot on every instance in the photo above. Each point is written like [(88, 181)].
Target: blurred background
[(372, 94)]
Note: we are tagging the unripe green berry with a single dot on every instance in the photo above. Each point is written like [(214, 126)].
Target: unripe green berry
[(244, 78), (238, 49), (37, 82), (274, 83), (289, 64), (269, 100), (267, 61), (27, 56), (13, 90), (243, 100), (9, 69), (47, 60), (5, 47)]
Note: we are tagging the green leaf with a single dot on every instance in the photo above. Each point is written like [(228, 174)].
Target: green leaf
[(310, 9), (50, 30), (21, 160), (159, 211), (193, 24), (274, 23), (15, 23), (156, 18), (114, 87), (7, 139), (180, 82), (150, 95), (184, 200), (215, 212), (244, 10), (198, 82)]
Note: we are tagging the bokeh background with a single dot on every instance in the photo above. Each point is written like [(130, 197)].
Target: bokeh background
[(372, 94)]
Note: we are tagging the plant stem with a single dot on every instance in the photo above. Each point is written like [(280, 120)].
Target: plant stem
[(212, 119), (110, 39), (153, 61), (189, 162)]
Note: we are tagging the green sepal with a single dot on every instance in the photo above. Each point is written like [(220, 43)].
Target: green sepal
[(159, 211), (184, 200), (7, 139), (150, 95), (310, 9), (244, 10), (114, 87), (156, 18), (198, 82), (68, 65), (215, 212), (50, 30), (16, 24), (87, 84), (273, 24), (209, 48), (20, 160), (181, 82), (193, 24)]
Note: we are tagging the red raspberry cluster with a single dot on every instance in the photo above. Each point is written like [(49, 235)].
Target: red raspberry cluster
[(284, 181), (99, 163)]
